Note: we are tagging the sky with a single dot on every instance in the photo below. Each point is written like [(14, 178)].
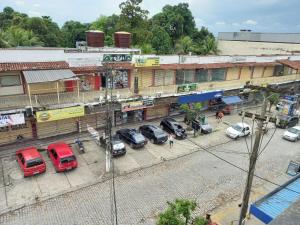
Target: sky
[(216, 15)]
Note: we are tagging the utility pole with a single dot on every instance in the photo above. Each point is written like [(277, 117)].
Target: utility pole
[(261, 118), (252, 162)]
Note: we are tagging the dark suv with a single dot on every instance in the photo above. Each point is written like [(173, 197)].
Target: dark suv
[(132, 137), (287, 121), (173, 127), (154, 134)]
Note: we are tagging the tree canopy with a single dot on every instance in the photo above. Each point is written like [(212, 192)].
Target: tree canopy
[(171, 31)]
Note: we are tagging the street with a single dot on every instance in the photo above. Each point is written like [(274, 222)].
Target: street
[(142, 194)]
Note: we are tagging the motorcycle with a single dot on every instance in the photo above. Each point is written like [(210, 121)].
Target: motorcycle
[(80, 145)]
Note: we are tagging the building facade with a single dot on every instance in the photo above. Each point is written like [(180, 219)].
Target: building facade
[(46, 93)]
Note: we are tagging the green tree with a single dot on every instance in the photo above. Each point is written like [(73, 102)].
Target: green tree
[(192, 112), (273, 99), (180, 213), (184, 45), (16, 36), (134, 19), (177, 20), (161, 41), (73, 31)]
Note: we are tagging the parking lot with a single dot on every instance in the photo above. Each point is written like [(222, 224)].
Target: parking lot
[(16, 191)]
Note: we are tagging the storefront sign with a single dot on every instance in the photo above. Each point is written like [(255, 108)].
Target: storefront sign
[(186, 87), (147, 62), (59, 114), (12, 119), (129, 106), (117, 58)]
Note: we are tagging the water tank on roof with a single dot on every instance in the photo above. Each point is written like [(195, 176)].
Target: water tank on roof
[(122, 39), (95, 38)]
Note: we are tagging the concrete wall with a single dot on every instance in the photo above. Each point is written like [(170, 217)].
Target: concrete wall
[(246, 73), (233, 73), (269, 71), (11, 90), (258, 72), (44, 88), (255, 48)]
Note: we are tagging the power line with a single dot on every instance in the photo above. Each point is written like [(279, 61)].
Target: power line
[(238, 167)]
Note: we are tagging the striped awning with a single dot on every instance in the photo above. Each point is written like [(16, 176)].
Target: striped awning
[(40, 76)]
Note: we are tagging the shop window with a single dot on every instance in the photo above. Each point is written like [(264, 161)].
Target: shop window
[(184, 76), (201, 75), (163, 77), (218, 74), (278, 70), (120, 79), (10, 80)]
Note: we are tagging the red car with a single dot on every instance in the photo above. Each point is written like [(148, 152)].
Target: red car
[(30, 161), (62, 156)]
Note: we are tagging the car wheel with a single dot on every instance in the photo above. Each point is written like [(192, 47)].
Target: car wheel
[(152, 140), (236, 137)]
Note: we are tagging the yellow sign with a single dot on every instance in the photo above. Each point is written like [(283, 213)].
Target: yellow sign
[(59, 114), (147, 62)]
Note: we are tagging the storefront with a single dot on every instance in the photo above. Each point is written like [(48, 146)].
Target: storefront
[(134, 111), (14, 127), (162, 108), (58, 121)]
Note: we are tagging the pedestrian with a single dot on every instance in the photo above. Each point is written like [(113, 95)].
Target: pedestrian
[(217, 114), (221, 115), (171, 142)]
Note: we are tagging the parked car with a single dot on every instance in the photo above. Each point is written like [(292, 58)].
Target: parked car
[(292, 134), (62, 156), (118, 147), (287, 121), (204, 126), (238, 130), (132, 137), (31, 161), (173, 127), (154, 134)]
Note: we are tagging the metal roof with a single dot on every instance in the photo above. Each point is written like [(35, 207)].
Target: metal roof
[(275, 203), (39, 76)]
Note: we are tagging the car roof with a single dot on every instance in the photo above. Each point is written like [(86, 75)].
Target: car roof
[(153, 127), (62, 149), (243, 124), (30, 153)]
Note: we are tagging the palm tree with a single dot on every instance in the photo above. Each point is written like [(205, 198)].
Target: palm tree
[(16, 36)]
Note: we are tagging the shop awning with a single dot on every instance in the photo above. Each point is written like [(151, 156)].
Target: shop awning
[(201, 97), (40, 76), (230, 100), (277, 202)]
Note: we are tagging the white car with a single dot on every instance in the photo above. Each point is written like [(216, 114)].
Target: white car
[(292, 134), (238, 130)]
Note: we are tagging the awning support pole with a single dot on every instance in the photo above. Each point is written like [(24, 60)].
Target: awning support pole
[(78, 94), (57, 89), (29, 94)]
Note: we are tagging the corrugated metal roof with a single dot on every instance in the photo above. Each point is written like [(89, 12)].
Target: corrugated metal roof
[(276, 202), (33, 66), (39, 76), (229, 100)]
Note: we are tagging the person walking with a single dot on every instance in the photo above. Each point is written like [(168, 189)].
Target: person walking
[(221, 115), (171, 140)]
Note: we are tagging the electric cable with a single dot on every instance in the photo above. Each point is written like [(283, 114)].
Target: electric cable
[(240, 168), (267, 142)]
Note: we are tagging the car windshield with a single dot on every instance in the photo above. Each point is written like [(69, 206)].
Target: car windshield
[(177, 126), (67, 159), (237, 127), (294, 130), (34, 162), (138, 138), (116, 140), (158, 132)]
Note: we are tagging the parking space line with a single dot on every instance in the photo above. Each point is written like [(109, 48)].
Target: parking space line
[(67, 179)]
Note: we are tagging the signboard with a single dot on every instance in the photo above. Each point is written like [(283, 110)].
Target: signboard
[(186, 87), (117, 58), (12, 119), (59, 114), (147, 62), (129, 106)]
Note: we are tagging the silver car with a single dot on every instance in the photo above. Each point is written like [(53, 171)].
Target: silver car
[(292, 134)]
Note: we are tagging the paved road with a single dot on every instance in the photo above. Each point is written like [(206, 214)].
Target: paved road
[(143, 194)]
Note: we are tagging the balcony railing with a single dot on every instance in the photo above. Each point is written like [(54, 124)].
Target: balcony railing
[(65, 98)]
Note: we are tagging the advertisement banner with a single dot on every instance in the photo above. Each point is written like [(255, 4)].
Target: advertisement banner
[(147, 62), (186, 87), (117, 58), (129, 106), (59, 114), (13, 119)]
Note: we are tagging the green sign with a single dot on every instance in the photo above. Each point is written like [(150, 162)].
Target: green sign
[(186, 87), (117, 58)]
